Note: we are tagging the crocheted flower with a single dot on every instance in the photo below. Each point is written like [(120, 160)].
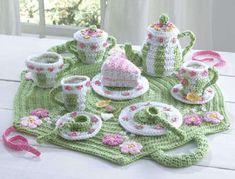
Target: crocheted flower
[(175, 90), (133, 108), (112, 139), (30, 121), (40, 112), (98, 82), (184, 82), (213, 117), (193, 73), (125, 93), (204, 73), (130, 147), (193, 119), (193, 97)]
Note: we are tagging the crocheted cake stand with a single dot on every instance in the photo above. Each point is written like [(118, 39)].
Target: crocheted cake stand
[(155, 148), (206, 97), (124, 94)]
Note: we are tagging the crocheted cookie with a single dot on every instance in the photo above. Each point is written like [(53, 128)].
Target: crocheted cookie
[(118, 71)]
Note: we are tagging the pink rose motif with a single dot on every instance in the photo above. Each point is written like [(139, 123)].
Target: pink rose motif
[(72, 134), (184, 82), (93, 47), (133, 108), (112, 139), (88, 84), (158, 126), (209, 90), (213, 117), (193, 73), (91, 131), (40, 112), (140, 87), (98, 82), (105, 44), (30, 121), (31, 67), (139, 126), (150, 36), (174, 119), (174, 40), (68, 88), (39, 69), (107, 92), (182, 71), (161, 39), (126, 93), (79, 87), (73, 114), (204, 73), (178, 76), (50, 69), (61, 66), (82, 45), (166, 109), (125, 118), (130, 147), (193, 119), (159, 25), (175, 90), (94, 119)]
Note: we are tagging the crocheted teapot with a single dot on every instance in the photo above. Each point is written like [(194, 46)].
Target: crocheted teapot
[(161, 53)]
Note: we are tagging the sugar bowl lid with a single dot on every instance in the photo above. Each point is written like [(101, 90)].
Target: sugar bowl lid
[(163, 26), (90, 34)]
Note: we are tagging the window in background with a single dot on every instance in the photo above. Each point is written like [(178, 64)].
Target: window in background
[(58, 17)]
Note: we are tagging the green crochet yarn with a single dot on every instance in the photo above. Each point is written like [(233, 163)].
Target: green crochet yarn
[(160, 61), (41, 79), (154, 147)]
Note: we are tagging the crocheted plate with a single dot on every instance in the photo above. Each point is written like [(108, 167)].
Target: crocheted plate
[(207, 96), (126, 119), (96, 124), (98, 87)]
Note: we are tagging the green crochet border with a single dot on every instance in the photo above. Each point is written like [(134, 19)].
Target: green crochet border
[(29, 97)]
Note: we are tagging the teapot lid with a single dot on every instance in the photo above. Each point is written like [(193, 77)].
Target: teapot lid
[(164, 26), (90, 34)]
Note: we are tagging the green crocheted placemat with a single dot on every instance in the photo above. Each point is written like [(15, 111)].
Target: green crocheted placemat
[(30, 97)]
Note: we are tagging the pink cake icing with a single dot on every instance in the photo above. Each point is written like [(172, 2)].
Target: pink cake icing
[(118, 71)]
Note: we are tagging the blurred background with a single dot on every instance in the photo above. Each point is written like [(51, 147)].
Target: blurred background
[(211, 20)]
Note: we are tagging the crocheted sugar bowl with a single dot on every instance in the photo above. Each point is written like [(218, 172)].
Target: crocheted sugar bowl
[(118, 71), (91, 44), (161, 53)]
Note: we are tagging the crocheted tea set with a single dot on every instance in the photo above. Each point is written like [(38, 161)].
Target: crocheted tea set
[(120, 104)]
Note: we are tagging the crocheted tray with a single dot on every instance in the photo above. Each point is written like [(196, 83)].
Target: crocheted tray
[(29, 97)]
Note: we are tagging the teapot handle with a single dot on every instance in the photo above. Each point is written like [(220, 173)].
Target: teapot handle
[(191, 43)]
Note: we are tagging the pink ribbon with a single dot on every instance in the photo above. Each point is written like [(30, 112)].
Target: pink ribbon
[(214, 55), (18, 142)]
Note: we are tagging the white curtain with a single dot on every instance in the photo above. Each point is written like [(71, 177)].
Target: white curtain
[(127, 20), (9, 17)]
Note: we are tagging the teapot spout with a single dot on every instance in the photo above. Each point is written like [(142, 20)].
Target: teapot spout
[(133, 55)]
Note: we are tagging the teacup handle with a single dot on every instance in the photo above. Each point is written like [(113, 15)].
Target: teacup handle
[(112, 42), (183, 160), (52, 95), (180, 133), (191, 43), (214, 78)]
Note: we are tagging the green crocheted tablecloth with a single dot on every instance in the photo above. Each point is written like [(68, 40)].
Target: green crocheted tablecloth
[(30, 97)]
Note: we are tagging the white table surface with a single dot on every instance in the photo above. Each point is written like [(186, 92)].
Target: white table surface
[(56, 162)]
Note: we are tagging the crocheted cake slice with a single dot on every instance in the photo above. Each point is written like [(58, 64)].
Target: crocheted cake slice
[(118, 71)]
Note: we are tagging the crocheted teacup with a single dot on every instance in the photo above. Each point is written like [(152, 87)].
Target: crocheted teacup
[(74, 90), (45, 68), (195, 78), (91, 44)]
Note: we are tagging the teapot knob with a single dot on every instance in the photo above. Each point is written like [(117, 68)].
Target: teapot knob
[(164, 19)]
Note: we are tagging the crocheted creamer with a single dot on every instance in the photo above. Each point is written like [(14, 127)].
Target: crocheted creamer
[(161, 53), (134, 147), (118, 71), (91, 44)]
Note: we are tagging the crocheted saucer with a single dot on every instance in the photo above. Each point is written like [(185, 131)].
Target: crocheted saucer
[(127, 119), (206, 97), (139, 90), (90, 125)]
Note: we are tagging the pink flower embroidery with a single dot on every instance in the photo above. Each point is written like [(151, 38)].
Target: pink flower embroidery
[(61, 66), (133, 108), (94, 119), (193, 119), (159, 25), (125, 118), (161, 39), (166, 109), (174, 119), (204, 73), (213, 117), (107, 92), (93, 47), (88, 84), (79, 87), (130, 147), (73, 134), (82, 45), (126, 93), (150, 36), (39, 69), (109, 108), (31, 67), (139, 126), (40, 112), (98, 82), (105, 44), (158, 126), (68, 88), (175, 90), (51, 69), (73, 114), (91, 131), (193, 73), (30, 121), (174, 40), (112, 139), (184, 82)]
